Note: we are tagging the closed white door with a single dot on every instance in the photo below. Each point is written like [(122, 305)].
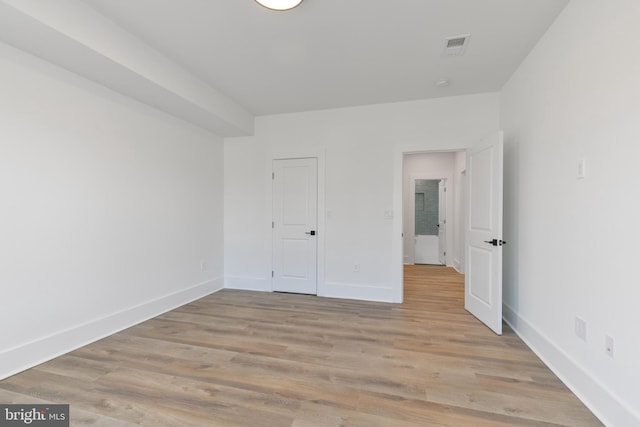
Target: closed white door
[(295, 204), (483, 279)]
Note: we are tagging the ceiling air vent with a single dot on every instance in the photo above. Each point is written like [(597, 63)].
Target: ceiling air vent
[(455, 46)]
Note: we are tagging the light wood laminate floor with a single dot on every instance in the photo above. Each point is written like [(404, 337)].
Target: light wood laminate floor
[(266, 359)]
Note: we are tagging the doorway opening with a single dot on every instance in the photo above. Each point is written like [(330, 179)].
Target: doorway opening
[(433, 208), (430, 224), (479, 209), (433, 212)]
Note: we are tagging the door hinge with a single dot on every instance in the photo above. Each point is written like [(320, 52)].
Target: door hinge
[(273, 175), (444, 253), (273, 224), (271, 273)]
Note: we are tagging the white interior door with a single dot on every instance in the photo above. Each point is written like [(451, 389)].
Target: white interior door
[(295, 204), (483, 278), (442, 222)]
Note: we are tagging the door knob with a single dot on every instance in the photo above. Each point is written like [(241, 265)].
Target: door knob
[(310, 233), (496, 242)]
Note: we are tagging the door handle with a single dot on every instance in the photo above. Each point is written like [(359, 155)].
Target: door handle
[(496, 242), (310, 233)]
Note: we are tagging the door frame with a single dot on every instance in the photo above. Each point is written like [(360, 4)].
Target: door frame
[(397, 241), (319, 155), (449, 181)]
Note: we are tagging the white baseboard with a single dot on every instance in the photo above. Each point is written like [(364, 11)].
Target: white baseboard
[(327, 289), (359, 292), (247, 283), (31, 354), (610, 409)]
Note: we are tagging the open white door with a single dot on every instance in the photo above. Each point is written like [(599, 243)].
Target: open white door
[(295, 204), (442, 222), (483, 278)]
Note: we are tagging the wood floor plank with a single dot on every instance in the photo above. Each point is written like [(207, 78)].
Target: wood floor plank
[(239, 358)]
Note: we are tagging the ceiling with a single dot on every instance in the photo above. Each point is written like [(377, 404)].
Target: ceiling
[(337, 53)]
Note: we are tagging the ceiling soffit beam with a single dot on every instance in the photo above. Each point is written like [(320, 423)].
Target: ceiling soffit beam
[(76, 37)]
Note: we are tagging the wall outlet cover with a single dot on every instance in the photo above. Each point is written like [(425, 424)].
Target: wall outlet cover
[(580, 328), (608, 346)]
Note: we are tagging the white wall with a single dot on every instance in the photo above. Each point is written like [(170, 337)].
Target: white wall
[(459, 210), (573, 242), (107, 209), (427, 166), (361, 149)]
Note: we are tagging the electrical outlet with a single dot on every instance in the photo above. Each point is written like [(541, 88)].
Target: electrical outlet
[(608, 346), (356, 267), (203, 266), (580, 328)]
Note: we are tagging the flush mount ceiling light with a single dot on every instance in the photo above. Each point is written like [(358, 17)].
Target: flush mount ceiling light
[(279, 4)]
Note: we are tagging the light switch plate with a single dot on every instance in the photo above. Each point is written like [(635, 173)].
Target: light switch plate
[(582, 169)]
